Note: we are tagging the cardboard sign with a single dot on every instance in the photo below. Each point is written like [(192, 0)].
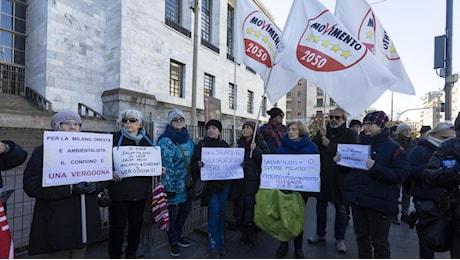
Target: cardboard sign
[(73, 157), (130, 161), (298, 172), (222, 163)]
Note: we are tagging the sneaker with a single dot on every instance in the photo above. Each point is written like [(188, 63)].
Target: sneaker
[(316, 239), (183, 242), (341, 247), (175, 250)]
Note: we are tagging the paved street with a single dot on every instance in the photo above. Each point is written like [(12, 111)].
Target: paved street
[(403, 241)]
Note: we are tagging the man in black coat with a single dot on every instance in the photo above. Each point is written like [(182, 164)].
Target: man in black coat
[(11, 155), (332, 179)]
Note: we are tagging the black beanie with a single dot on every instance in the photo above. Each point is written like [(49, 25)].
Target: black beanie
[(215, 123), (274, 112)]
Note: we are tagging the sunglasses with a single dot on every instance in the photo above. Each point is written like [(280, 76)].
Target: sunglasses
[(335, 117), (131, 120)]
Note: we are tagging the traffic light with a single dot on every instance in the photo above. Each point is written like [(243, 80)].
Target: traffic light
[(442, 107)]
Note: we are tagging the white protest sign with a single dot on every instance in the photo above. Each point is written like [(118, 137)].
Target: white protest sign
[(299, 172), (353, 155), (130, 161), (222, 163), (73, 157)]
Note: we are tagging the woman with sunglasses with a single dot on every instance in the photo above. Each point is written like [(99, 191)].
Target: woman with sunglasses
[(176, 154), (128, 194)]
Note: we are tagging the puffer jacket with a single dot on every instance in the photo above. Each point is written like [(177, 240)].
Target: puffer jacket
[(378, 188), (176, 168), (14, 157)]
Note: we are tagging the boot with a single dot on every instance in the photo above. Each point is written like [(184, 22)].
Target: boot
[(282, 250)]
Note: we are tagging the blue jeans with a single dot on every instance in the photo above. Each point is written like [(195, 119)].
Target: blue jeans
[(342, 212), (216, 218), (177, 215)]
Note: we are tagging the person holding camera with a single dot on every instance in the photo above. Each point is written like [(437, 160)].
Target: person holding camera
[(176, 154), (57, 224)]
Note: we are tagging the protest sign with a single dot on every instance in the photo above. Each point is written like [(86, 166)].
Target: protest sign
[(222, 163), (73, 157), (130, 161), (353, 155), (298, 172)]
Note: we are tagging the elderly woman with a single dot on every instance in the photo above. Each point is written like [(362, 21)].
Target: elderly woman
[(128, 194), (176, 154), (56, 224)]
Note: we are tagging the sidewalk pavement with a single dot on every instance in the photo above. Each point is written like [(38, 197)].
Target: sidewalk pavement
[(403, 243)]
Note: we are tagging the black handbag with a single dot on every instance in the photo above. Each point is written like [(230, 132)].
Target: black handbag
[(434, 226), (198, 189)]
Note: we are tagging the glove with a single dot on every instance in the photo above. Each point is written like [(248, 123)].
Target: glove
[(79, 188), (200, 164), (90, 187)]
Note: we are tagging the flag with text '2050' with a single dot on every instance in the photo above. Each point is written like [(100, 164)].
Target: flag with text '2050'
[(257, 41), (6, 241), (323, 51), (360, 19)]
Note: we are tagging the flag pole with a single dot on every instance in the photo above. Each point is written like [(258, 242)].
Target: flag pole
[(260, 108), (234, 102)]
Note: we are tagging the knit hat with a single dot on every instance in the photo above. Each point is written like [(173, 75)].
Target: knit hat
[(175, 114), (63, 116), (402, 127), (274, 112), (251, 124), (215, 123), (355, 122), (377, 117)]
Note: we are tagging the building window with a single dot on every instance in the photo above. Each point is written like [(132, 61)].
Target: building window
[(250, 105), (176, 79), (319, 113), (12, 32), (264, 106), (288, 95), (173, 16), (299, 104), (231, 96), (230, 17), (206, 20), (319, 102), (299, 114), (208, 85), (319, 92), (299, 93), (331, 102)]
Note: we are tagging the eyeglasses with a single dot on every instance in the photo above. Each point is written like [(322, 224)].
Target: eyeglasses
[(131, 120), (178, 120), (336, 117), (70, 124)]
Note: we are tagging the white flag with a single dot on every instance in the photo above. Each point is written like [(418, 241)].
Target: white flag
[(323, 51), (361, 21), (257, 43)]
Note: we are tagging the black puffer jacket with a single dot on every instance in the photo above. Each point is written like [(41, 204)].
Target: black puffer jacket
[(14, 157), (56, 224)]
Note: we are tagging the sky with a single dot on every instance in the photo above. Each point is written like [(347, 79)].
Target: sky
[(412, 25)]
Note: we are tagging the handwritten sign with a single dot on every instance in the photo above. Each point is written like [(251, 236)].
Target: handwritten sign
[(73, 157), (222, 163), (299, 172), (353, 155), (130, 161)]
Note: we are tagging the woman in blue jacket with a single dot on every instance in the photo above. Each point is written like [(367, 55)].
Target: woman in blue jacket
[(176, 154), (295, 141)]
